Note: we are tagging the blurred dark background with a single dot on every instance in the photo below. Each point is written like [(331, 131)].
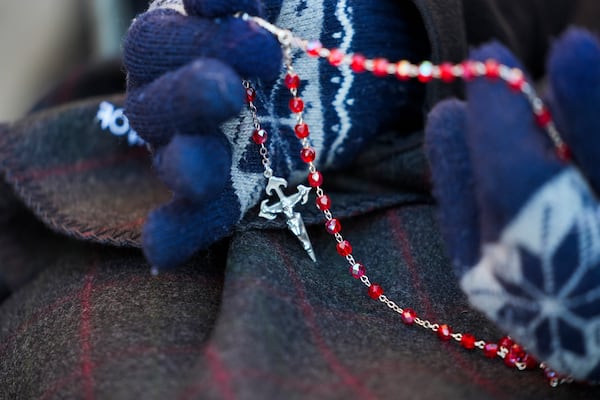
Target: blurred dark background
[(45, 42)]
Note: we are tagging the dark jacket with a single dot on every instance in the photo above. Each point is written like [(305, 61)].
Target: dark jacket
[(251, 317)]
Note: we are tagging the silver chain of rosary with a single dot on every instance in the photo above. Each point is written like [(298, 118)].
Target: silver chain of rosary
[(263, 151), (275, 185)]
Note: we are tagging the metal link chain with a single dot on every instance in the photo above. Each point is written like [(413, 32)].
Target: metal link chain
[(288, 41), (263, 151)]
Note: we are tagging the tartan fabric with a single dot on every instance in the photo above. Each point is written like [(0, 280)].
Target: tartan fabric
[(275, 325), (77, 178), (95, 324), (251, 317)]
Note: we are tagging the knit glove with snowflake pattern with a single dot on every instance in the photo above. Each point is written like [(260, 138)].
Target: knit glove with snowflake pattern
[(185, 61), (523, 228)]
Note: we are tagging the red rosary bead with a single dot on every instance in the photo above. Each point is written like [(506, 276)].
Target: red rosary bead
[(375, 291), (492, 69), (336, 57), (517, 350), (467, 341), (302, 131), (506, 342), (408, 316), (564, 154), (333, 226), (514, 356), (380, 67), (516, 81), (552, 376), (344, 248), (259, 136), (323, 203), (250, 95), (292, 81), (313, 48), (315, 179), (490, 350), (530, 362), (469, 70), (308, 154), (444, 332), (358, 270), (358, 63), (543, 117), (296, 105), (447, 72), (511, 360)]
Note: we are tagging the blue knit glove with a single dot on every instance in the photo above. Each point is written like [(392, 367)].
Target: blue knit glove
[(185, 98), (522, 228)]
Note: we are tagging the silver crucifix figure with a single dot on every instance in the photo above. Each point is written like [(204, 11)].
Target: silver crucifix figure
[(286, 206)]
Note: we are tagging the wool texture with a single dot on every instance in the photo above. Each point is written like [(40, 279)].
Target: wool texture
[(453, 184), (195, 167), (574, 94), (222, 8), (186, 101), (184, 74), (163, 40), (253, 317)]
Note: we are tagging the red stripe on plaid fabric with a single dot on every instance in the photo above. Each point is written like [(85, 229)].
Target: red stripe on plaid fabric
[(309, 318), (85, 330), (83, 165), (401, 237), (219, 372), (399, 234), (135, 280)]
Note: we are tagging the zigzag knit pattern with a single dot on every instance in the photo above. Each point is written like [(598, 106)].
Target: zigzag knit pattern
[(185, 62)]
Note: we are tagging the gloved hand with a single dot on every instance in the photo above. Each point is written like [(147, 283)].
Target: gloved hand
[(523, 228), (184, 88)]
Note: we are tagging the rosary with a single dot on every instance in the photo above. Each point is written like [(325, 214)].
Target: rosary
[(513, 355)]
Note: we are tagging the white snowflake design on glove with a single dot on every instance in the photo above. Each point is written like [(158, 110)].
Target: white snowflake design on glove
[(524, 282)]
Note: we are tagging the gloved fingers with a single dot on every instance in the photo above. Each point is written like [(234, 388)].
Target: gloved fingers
[(222, 8), (575, 91), (195, 167), (194, 99), (511, 155), (177, 230), (452, 176), (162, 40)]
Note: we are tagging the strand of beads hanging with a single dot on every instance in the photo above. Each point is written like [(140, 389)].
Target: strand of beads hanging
[(426, 72), (259, 135), (448, 73), (513, 355)]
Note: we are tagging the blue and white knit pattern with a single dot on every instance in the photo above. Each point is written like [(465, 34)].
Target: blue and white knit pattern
[(176, 5), (539, 281), (342, 110), (307, 17)]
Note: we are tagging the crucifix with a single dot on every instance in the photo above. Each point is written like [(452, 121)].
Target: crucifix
[(286, 206)]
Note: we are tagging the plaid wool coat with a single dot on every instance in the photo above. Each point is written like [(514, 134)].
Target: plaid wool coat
[(251, 317)]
